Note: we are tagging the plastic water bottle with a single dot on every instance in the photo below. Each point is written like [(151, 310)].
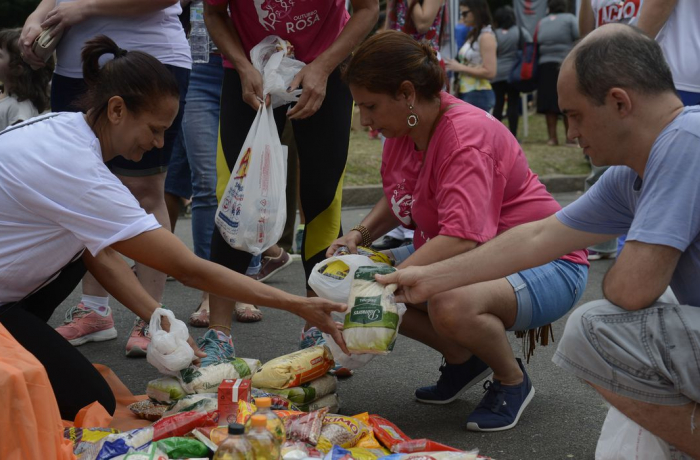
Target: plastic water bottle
[(235, 446), (199, 37), (264, 445)]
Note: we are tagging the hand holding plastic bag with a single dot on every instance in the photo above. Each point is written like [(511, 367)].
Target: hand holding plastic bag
[(169, 352), (272, 57)]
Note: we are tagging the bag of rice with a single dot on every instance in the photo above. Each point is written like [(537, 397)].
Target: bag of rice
[(294, 369), (207, 379), (165, 390), (372, 321), (307, 392)]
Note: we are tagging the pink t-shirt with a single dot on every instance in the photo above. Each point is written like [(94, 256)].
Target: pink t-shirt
[(474, 182), (310, 25)]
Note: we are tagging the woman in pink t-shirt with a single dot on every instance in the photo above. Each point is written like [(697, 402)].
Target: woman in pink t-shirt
[(459, 177), (323, 35)]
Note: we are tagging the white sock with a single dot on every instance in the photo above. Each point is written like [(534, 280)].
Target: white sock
[(99, 305)]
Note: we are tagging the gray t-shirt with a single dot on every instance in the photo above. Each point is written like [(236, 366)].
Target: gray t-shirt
[(661, 209), (509, 42), (556, 36)]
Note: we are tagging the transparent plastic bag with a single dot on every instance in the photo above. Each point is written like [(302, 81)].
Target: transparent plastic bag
[(169, 352)]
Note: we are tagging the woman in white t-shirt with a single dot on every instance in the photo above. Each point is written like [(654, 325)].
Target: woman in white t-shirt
[(151, 26), (58, 198)]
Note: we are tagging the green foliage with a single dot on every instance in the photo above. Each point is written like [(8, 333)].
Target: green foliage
[(13, 13)]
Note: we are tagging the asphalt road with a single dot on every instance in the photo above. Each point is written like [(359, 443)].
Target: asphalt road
[(563, 421)]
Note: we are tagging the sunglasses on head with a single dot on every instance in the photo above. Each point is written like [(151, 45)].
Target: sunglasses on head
[(465, 13)]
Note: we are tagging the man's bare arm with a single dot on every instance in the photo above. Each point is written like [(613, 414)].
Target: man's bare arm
[(640, 275)]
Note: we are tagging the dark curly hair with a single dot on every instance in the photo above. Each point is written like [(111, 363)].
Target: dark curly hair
[(22, 82)]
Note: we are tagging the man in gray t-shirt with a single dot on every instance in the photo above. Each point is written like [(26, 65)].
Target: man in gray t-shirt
[(638, 349)]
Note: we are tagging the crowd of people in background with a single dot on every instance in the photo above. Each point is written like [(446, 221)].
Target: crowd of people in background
[(150, 128)]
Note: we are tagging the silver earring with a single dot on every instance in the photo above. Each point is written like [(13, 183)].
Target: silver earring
[(412, 119)]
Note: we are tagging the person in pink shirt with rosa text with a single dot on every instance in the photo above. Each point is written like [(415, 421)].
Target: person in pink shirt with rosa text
[(459, 177)]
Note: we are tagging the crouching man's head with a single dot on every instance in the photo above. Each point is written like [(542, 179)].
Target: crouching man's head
[(616, 89)]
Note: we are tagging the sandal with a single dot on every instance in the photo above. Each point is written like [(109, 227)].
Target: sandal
[(247, 313), (200, 317)]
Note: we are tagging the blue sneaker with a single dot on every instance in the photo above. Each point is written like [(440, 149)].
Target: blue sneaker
[(217, 349), (454, 380), (312, 337), (502, 406)]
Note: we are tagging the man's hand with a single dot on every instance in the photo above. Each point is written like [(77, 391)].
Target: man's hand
[(252, 87), (413, 285), (64, 16), (313, 80), (317, 312), (351, 240)]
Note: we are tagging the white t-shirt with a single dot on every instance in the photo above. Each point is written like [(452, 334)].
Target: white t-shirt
[(13, 111), (616, 11), (680, 40), (159, 34), (57, 197)]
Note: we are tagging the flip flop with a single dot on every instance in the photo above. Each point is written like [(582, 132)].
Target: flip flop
[(247, 313), (200, 317)]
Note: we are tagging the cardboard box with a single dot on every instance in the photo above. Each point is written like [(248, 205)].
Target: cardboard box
[(230, 392)]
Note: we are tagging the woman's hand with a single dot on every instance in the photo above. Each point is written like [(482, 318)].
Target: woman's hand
[(312, 78), (64, 16), (32, 28), (317, 312), (351, 240), (198, 353), (252, 87)]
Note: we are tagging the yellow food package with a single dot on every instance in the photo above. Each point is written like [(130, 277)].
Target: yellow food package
[(294, 369), (363, 453), (341, 430), (245, 410), (368, 441)]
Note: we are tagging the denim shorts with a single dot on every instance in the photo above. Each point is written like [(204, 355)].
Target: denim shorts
[(546, 293), (650, 355)]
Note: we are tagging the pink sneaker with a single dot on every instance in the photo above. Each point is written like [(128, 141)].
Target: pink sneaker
[(138, 339), (83, 325)]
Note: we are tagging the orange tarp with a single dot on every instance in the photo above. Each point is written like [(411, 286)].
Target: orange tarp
[(30, 423)]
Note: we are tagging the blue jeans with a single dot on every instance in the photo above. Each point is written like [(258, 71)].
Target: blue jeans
[(200, 136), (485, 99), (546, 293)]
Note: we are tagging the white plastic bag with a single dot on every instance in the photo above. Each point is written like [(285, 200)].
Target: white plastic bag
[(332, 278), (623, 439), (169, 352), (253, 209), (272, 57)]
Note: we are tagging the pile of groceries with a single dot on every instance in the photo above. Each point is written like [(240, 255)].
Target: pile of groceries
[(287, 408)]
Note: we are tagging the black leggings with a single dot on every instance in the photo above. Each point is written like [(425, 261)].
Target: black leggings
[(76, 383), (501, 89), (322, 142)]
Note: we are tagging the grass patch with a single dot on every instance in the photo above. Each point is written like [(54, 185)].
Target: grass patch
[(364, 156)]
